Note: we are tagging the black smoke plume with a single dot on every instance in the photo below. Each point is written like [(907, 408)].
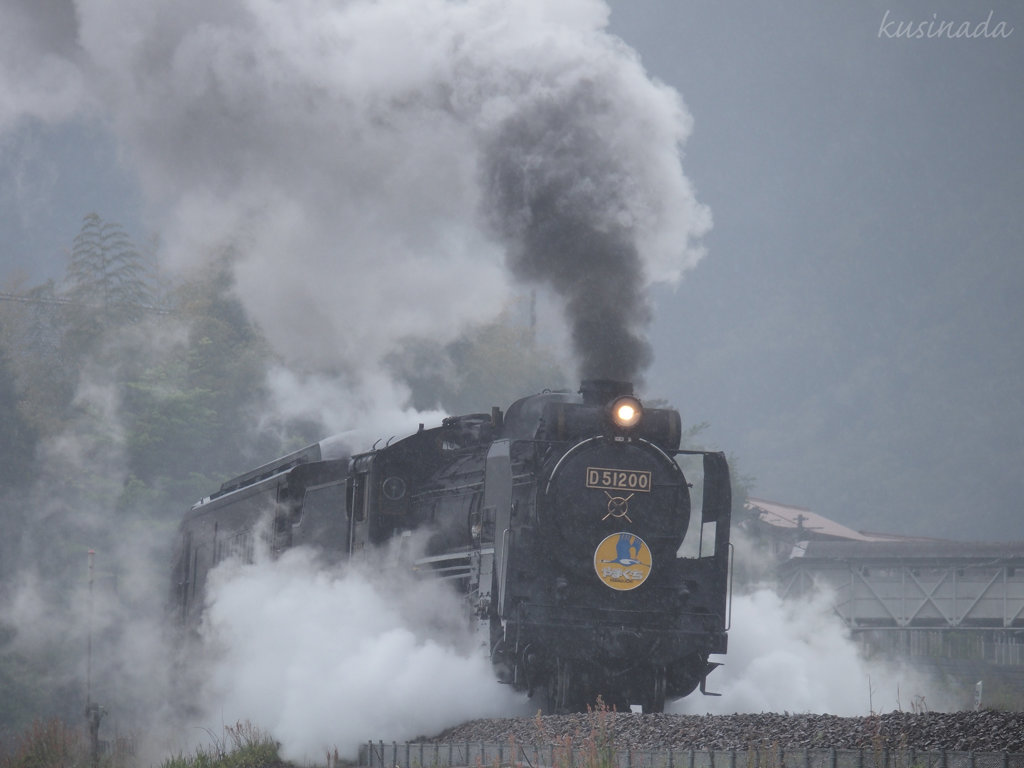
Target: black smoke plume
[(556, 195)]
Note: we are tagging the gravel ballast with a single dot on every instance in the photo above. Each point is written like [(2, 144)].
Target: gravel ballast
[(985, 731)]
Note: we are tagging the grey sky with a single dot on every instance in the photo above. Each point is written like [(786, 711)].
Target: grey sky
[(855, 334)]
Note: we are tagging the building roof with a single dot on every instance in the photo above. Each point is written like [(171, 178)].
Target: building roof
[(910, 550), (815, 536), (790, 518)]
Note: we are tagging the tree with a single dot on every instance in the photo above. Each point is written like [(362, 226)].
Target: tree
[(491, 364), (107, 283), (192, 415), (31, 333), (17, 437)]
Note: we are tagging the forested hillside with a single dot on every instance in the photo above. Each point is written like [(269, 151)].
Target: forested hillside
[(124, 397)]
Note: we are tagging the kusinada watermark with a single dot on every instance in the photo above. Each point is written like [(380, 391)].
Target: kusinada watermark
[(943, 28)]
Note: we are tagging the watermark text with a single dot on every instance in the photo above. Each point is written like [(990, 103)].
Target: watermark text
[(943, 28)]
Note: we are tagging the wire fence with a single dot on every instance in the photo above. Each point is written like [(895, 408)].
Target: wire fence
[(482, 755)]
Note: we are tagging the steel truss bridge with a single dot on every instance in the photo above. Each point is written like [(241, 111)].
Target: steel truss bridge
[(896, 585)]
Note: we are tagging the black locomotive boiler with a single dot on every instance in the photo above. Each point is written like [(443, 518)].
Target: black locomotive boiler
[(564, 523)]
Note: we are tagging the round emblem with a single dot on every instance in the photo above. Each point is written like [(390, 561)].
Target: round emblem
[(622, 561), (618, 506), (393, 488)]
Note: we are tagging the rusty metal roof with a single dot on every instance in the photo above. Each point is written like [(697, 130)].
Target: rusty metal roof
[(784, 516), (819, 537)]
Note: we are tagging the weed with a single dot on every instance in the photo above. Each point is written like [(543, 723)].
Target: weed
[(49, 744), (242, 746), (335, 760), (592, 748)]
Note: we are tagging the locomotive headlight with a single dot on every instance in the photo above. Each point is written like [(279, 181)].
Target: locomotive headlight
[(626, 411)]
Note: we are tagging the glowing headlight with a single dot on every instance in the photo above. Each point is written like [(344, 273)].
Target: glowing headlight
[(626, 412)]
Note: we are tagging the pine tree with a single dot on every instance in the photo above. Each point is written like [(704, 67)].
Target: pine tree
[(17, 437), (107, 282)]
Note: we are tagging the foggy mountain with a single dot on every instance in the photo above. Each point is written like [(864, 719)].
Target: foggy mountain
[(852, 335)]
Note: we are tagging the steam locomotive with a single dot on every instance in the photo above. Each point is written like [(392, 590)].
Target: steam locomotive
[(564, 523)]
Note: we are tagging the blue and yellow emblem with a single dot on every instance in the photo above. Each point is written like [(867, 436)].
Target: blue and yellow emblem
[(622, 561)]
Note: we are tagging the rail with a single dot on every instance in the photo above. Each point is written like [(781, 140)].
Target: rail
[(378, 754)]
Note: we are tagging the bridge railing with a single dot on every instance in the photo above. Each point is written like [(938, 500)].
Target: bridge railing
[(379, 754)]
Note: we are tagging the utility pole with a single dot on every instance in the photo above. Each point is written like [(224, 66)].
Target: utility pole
[(93, 711)]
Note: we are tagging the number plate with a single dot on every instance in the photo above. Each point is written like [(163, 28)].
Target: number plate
[(636, 480)]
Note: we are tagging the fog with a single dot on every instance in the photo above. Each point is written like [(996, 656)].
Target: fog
[(852, 337), (798, 656), (368, 174), (849, 326)]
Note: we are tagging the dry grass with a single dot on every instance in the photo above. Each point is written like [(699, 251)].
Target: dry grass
[(54, 744), (48, 744), (243, 745)]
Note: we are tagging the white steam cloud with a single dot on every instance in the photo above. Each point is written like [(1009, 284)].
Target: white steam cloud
[(326, 659), (101, 635), (348, 155), (40, 68), (797, 656), (347, 152), (367, 413)]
